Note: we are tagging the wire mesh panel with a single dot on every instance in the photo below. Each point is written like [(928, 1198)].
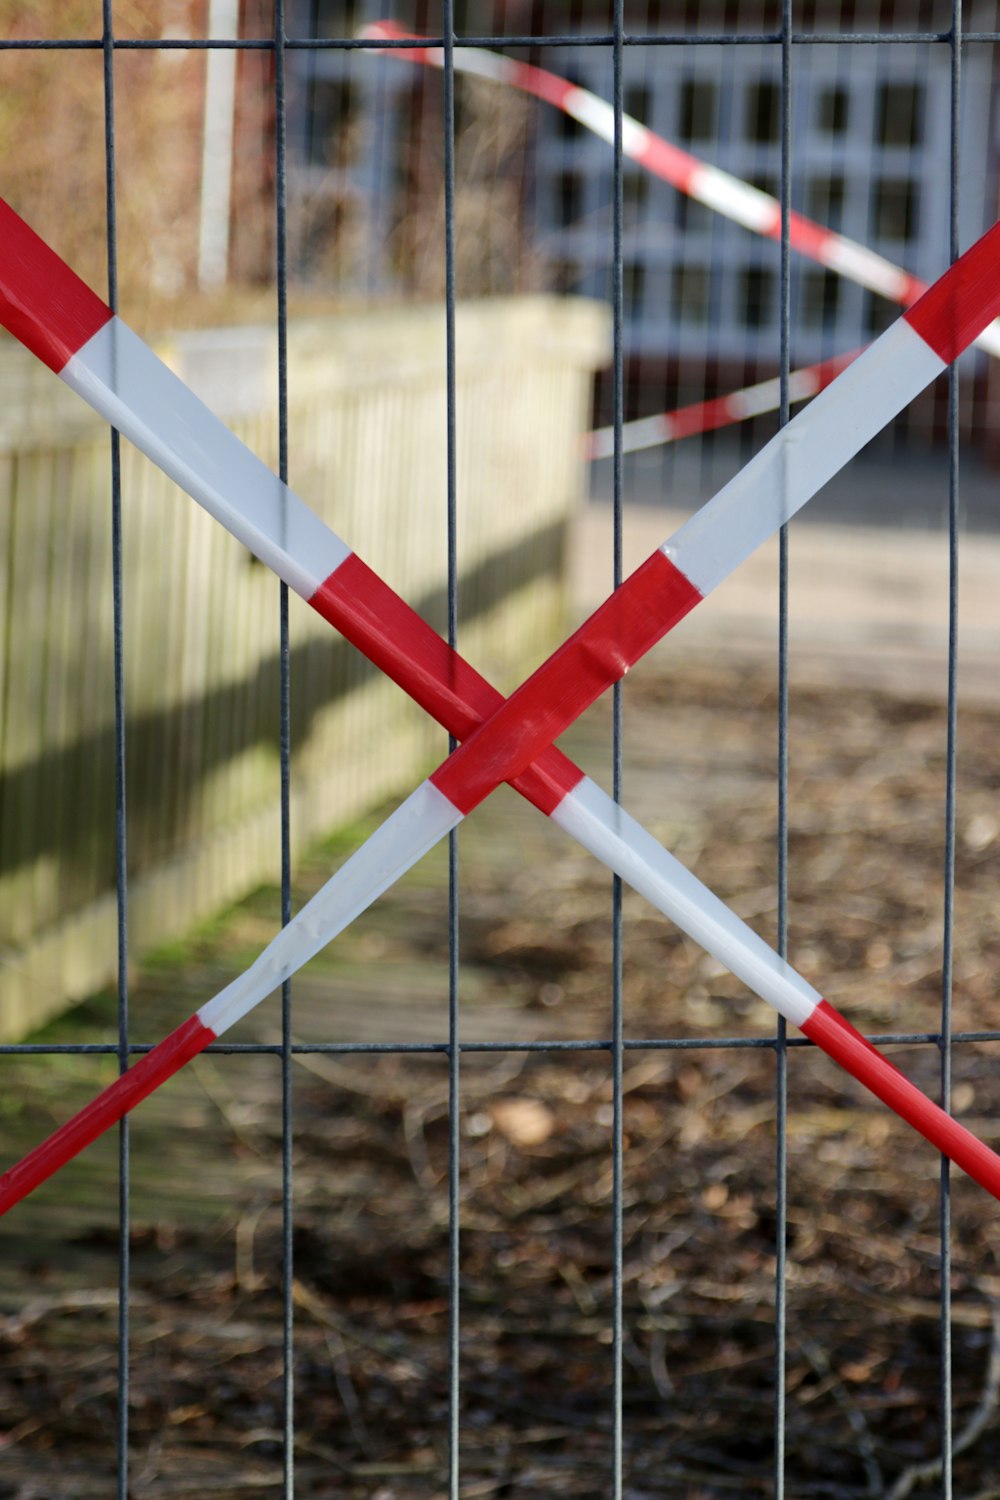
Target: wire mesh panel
[(525, 1195)]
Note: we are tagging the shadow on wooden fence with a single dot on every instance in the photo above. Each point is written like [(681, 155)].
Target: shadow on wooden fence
[(367, 440)]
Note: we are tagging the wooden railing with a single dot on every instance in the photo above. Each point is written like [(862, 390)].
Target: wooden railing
[(368, 451)]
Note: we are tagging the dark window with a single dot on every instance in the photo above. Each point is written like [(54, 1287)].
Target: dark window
[(699, 108), (763, 112), (636, 102), (634, 286), (831, 111), (766, 183), (894, 208), (879, 313), (825, 200), (635, 194), (820, 298), (569, 198), (691, 217), (899, 112), (756, 297), (689, 294)]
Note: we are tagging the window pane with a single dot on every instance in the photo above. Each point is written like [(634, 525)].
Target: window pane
[(831, 112), (763, 112), (699, 109), (635, 194), (636, 102), (820, 299), (894, 208), (634, 278), (689, 294), (766, 183), (825, 200), (569, 198), (691, 217), (899, 114), (755, 308), (879, 313)]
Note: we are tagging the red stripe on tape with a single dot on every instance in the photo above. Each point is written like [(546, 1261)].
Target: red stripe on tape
[(635, 617), (542, 84), (110, 1105), (702, 417), (809, 238), (42, 302), (958, 306), (403, 646), (831, 1031), (914, 288), (668, 161)]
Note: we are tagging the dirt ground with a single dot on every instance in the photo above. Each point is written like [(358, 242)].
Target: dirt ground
[(370, 1157)]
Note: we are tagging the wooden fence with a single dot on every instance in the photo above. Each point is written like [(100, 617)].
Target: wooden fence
[(367, 444)]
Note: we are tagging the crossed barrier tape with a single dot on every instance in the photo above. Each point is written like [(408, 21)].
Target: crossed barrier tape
[(757, 211), (75, 333)]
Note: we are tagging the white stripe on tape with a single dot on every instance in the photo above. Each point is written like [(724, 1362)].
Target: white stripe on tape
[(595, 113), (644, 432), (122, 378), (589, 815), (735, 199), (757, 399), (801, 385), (405, 836), (862, 265), (800, 459), (635, 138)]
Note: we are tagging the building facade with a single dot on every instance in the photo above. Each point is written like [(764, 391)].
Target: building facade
[(871, 131)]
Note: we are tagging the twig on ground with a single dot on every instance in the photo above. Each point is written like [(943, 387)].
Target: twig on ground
[(820, 1362), (919, 1473)]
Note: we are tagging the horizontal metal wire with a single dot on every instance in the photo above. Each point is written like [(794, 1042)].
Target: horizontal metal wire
[(633, 1044), (944, 1042), (364, 44)]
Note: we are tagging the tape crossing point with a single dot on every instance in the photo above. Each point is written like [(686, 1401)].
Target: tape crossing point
[(122, 378)]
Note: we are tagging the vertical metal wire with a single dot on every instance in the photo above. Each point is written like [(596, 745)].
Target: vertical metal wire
[(781, 1052), (454, 1054), (617, 1008), (945, 1041), (121, 849), (285, 745), (947, 957)]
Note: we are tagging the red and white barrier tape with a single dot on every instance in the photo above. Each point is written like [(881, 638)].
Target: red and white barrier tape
[(718, 190), (721, 411), (67, 326)]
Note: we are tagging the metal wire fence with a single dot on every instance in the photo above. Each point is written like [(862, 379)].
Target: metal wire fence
[(298, 41)]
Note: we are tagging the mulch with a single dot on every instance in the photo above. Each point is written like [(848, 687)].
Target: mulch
[(700, 1194)]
